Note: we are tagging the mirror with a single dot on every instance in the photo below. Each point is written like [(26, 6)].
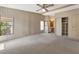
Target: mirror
[(6, 26)]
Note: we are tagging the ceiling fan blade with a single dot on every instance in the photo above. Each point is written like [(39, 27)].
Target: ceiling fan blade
[(51, 5), (40, 5), (48, 5), (38, 10), (46, 10), (43, 7)]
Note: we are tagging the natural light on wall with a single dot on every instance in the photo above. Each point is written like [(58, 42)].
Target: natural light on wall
[(41, 25), (2, 47)]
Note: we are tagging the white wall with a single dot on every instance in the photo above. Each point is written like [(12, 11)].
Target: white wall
[(46, 24), (58, 27)]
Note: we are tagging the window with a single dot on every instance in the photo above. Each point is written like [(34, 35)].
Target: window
[(41, 25), (6, 26)]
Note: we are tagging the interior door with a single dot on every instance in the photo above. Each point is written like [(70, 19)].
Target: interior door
[(65, 26)]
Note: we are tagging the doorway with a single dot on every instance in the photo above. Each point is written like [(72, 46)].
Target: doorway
[(51, 26), (65, 26)]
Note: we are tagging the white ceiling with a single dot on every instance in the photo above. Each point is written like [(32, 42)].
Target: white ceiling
[(61, 9), (25, 7), (33, 7)]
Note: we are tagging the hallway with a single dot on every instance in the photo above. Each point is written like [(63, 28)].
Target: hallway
[(40, 44)]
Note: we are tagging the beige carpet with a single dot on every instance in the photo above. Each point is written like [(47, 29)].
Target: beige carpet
[(41, 44)]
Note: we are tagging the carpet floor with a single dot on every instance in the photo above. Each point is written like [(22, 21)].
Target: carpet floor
[(41, 44)]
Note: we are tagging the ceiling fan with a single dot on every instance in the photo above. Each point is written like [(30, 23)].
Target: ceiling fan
[(44, 7)]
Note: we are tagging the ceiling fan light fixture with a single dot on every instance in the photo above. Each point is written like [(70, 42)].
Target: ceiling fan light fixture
[(43, 10)]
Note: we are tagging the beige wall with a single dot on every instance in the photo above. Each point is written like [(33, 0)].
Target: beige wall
[(25, 23), (73, 22)]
